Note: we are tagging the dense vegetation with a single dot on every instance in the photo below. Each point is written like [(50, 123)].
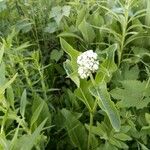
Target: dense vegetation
[(45, 104)]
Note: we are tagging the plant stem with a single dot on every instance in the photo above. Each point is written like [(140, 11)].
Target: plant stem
[(90, 129), (92, 79), (124, 29)]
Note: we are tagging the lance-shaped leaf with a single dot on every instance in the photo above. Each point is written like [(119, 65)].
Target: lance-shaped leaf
[(27, 142), (1, 52), (6, 85), (71, 66), (23, 103), (101, 93)]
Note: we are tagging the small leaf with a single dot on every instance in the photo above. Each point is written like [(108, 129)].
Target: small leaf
[(56, 55), (51, 27), (66, 10), (24, 25), (122, 137), (6, 85), (118, 143), (71, 74)]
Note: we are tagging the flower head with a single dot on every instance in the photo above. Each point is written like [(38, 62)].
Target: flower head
[(87, 63)]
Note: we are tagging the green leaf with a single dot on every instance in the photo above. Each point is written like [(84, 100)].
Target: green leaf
[(81, 15), (108, 106), (96, 19), (4, 143), (69, 50), (130, 73), (2, 74), (84, 95), (122, 137), (99, 130), (26, 142), (45, 112), (133, 94), (118, 143), (108, 66), (73, 75), (147, 117), (23, 103), (56, 55), (75, 129), (69, 34), (10, 96), (51, 27), (6, 85), (1, 52), (143, 147), (59, 12), (66, 10), (140, 52), (24, 25), (87, 31), (71, 66), (36, 113), (3, 5)]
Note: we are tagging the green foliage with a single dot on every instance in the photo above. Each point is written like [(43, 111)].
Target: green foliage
[(133, 93), (104, 101), (44, 104), (75, 129)]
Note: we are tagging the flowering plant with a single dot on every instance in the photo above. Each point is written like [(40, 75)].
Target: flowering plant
[(92, 92)]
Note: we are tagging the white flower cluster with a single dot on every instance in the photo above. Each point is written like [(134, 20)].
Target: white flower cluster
[(88, 63)]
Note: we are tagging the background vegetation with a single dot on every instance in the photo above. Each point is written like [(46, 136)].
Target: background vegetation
[(43, 102)]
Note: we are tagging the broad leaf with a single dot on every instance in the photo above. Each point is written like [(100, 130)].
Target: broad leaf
[(75, 129), (87, 31), (84, 95), (133, 94), (106, 104)]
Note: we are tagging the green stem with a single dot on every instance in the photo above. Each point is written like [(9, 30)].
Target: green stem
[(90, 129), (43, 84), (92, 79), (91, 115), (124, 29)]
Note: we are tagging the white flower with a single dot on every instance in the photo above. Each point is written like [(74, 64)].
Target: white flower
[(87, 63)]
